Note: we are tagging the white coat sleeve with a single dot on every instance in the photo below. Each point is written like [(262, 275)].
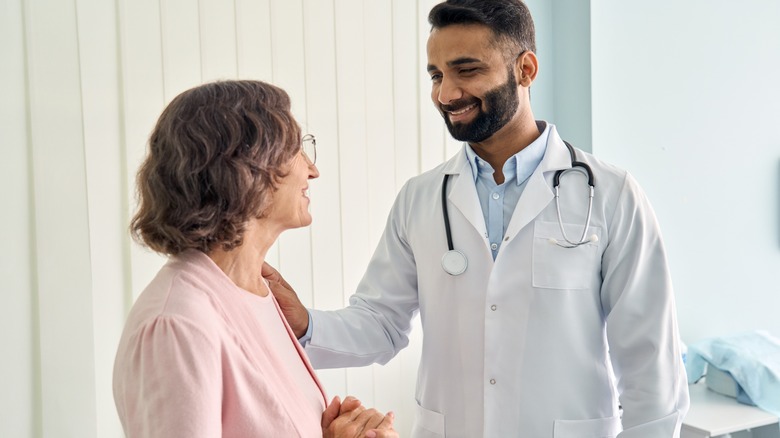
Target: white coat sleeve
[(376, 325), (641, 322)]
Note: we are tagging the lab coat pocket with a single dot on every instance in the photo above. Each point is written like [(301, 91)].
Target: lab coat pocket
[(428, 424), (555, 267), (596, 428)]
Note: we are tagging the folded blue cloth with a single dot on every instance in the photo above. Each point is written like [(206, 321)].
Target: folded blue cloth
[(752, 358)]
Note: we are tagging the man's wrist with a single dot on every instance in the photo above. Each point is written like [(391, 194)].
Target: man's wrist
[(303, 340)]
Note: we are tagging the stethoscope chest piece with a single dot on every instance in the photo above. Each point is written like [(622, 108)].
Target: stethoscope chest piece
[(454, 262)]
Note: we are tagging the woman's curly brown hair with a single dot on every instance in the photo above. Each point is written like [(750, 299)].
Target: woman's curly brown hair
[(215, 155)]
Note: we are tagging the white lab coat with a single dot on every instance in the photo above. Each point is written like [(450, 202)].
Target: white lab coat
[(543, 341)]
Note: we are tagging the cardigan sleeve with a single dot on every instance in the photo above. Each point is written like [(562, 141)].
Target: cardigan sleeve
[(167, 381)]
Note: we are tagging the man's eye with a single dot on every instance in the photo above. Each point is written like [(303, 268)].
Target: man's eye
[(467, 71), (435, 77)]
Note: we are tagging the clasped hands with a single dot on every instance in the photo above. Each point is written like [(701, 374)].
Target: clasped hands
[(350, 419)]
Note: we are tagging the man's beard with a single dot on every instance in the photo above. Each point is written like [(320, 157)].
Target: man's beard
[(501, 104)]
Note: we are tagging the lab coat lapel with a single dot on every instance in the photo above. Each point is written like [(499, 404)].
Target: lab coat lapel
[(538, 191), (463, 192)]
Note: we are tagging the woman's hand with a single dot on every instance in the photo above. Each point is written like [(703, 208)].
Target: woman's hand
[(292, 308), (349, 419)]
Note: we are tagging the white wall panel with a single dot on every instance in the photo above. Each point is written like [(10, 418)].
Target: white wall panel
[(406, 70), (104, 160), (61, 221), (322, 121), (350, 62), (180, 30), (18, 370), (380, 155), (322, 116), (379, 110), (406, 92), (218, 40), (253, 39), (142, 96)]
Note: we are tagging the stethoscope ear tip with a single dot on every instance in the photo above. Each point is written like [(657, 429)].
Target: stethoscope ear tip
[(593, 238)]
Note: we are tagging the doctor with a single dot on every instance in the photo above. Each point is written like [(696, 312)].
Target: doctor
[(534, 338)]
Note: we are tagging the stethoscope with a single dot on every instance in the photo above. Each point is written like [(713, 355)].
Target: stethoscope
[(455, 262)]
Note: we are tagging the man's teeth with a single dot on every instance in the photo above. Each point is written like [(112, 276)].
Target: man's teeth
[(461, 111)]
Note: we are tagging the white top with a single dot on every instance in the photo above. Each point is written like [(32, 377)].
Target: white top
[(279, 341)]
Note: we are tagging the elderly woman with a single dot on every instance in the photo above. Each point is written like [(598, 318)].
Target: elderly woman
[(206, 351)]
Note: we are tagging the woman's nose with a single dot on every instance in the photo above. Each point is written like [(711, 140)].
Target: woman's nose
[(313, 171)]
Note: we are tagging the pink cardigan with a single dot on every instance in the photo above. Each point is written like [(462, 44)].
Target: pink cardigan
[(195, 361)]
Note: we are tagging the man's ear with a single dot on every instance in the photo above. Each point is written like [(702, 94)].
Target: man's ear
[(526, 68)]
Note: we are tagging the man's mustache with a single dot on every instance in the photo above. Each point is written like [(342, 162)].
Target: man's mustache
[(459, 104)]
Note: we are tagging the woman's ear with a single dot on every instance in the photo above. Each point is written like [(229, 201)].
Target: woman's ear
[(526, 68)]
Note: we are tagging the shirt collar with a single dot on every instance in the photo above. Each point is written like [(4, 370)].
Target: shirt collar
[(520, 165)]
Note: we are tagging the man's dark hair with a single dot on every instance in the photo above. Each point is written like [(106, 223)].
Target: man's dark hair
[(510, 20)]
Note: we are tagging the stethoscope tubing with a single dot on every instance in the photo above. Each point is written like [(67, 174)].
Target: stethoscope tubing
[(455, 262), (446, 212), (584, 168)]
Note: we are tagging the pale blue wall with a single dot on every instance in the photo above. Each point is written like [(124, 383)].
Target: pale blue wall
[(561, 93), (686, 96)]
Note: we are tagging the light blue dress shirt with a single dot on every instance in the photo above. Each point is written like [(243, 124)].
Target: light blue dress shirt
[(498, 202)]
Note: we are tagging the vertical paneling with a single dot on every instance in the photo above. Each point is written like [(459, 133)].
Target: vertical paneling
[(350, 61), (61, 221), (100, 74), (380, 157), (432, 135), (351, 64), (218, 39), (180, 30), (253, 39), (406, 68), (379, 110), (406, 89), (17, 335), (322, 118), (142, 98), (97, 33)]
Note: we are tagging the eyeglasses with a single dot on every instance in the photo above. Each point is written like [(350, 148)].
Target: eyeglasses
[(309, 148)]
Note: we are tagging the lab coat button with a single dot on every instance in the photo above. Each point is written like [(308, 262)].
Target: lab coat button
[(493, 307), (492, 381)]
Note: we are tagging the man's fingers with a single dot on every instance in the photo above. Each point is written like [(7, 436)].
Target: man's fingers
[(269, 272)]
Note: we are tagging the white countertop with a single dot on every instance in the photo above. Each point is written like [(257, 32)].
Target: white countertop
[(718, 414)]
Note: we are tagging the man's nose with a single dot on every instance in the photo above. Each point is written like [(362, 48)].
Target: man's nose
[(449, 91)]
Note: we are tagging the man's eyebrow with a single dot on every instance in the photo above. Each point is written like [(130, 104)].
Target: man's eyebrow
[(461, 61), (456, 62)]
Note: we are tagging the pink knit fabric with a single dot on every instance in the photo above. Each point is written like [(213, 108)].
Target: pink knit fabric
[(195, 360)]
